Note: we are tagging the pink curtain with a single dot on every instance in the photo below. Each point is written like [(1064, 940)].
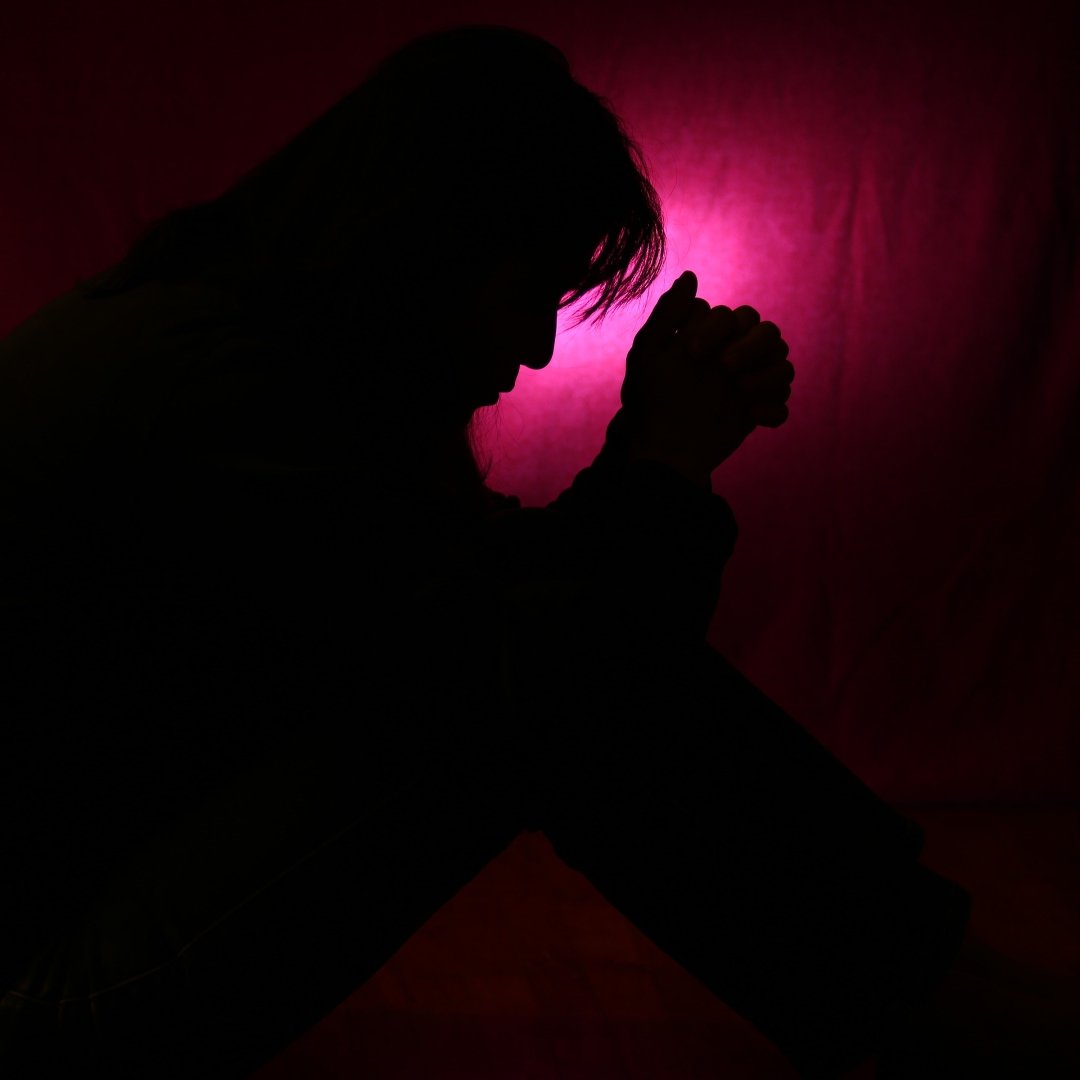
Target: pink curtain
[(894, 184)]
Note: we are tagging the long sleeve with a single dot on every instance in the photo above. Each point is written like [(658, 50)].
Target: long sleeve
[(626, 561), (635, 538)]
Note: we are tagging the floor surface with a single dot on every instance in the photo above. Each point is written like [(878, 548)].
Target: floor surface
[(529, 974)]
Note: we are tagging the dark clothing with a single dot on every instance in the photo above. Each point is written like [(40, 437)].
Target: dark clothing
[(267, 721)]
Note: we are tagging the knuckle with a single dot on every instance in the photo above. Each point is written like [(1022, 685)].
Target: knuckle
[(747, 314)]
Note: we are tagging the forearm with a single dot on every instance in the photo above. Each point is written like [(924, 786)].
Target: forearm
[(628, 441)]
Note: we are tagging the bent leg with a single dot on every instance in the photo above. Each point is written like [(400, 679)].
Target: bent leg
[(255, 916), (749, 854)]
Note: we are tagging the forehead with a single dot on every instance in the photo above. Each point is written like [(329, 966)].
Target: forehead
[(555, 260)]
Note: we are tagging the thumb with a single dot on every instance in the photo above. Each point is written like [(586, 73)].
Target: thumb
[(671, 309)]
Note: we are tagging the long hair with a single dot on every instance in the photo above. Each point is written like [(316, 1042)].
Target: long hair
[(465, 145)]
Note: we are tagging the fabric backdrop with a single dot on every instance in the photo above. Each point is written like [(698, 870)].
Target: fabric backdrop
[(894, 184)]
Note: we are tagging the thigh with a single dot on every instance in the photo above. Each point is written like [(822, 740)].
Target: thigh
[(254, 915)]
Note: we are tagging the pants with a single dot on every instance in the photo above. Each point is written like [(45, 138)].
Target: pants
[(691, 801)]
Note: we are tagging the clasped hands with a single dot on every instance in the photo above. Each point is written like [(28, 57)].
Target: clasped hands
[(698, 380)]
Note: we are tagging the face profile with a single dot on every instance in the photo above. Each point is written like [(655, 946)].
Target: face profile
[(516, 315), (415, 242)]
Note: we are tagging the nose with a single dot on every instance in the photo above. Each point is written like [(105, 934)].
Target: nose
[(541, 346)]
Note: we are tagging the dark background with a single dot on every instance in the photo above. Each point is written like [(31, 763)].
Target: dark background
[(894, 184)]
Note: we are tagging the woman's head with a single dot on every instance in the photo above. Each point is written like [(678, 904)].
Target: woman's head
[(465, 152), (484, 147)]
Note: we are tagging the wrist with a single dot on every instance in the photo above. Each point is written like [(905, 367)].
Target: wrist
[(627, 442)]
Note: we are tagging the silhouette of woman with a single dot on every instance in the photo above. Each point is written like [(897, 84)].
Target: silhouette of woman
[(283, 674)]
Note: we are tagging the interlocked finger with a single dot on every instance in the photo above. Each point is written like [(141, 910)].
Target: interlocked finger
[(710, 331), (776, 376), (760, 346), (695, 319), (746, 318), (670, 310)]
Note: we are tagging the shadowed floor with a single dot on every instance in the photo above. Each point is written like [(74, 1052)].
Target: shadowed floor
[(529, 974)]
